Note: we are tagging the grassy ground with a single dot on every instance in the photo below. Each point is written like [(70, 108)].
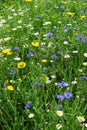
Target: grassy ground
[(43, 65)]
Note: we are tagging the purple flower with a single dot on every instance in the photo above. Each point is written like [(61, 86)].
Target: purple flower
[(16, 48), (60, 97), (29, 105), (39, 16), (80, 38), (62, 6), (49, 35), (68, 95), (84, 77), (62, 84), (53, 57), (36, 84), (85, 41), (12, 72), (65, 28), (31, 53)]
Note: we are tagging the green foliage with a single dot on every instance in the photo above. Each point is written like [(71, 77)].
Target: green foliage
[(43, 47)]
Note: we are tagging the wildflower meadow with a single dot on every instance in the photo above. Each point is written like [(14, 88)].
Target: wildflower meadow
[(43, 64)]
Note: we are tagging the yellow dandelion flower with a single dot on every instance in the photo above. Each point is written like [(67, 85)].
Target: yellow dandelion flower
[(70, 13), (10, 88), (80, 118), (47, 78), (64, 2), (44, 60), (28, 0), (35, 44), (82, 17), (21, 65), (7, 51)]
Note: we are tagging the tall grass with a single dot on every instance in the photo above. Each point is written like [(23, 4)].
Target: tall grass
[(43, 65)]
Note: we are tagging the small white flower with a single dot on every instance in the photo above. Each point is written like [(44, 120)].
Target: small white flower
[(48, 81), (19, 21), (31, 115), (17, 58), (67, 56), (58, 126), (85, 63), (59, 113), (53, 76), (85, 54), (74, 82), (7, 38), (80, 70), (85, 124), (46, 23), (75, 52), (65, 42), (36, 33), (80, 118)]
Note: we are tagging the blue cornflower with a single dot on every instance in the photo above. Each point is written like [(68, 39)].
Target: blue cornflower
[(66, 28), (53, 57), (29, 105), (12, 72), (85, 41), (80, 38), (63, 84), (84, 77), (36, 84), (68, 95), (31, 53), (16, 48), (39, 16), (49, 34), (60, 97), (62, 6)]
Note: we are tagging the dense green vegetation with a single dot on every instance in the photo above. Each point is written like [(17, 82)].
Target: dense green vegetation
[(43, 65)]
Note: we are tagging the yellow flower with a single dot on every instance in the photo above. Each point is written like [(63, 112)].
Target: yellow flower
[(44, 60), (28, 0), (80, 118), (35, 44), (59, 113), (7, 51), (85, 63), (70, 13), (21, 65), (47, 78), (64, 2), (10, 88), (82, 17)]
